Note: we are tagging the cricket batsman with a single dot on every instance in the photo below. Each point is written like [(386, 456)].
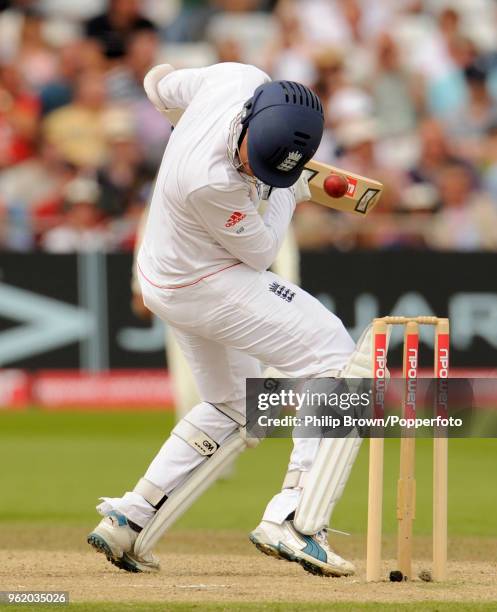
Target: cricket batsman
[(203, 268)]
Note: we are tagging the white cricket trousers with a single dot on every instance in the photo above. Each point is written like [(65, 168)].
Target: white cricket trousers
[(229, 325)]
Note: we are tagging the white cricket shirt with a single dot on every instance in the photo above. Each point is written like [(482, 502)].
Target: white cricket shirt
[(203, 215)]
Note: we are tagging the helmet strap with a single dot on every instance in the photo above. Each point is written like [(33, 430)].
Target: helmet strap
[(242, 135)]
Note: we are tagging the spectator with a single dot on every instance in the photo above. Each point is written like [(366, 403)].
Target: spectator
[(467, 220), (449, 23), (348, 103), (77, 128), (34, 180), (435, 153), (323, 22), (35, 59), (330, 76), (229, 50), (114, 27), (19, 112), (124, 173), (82, 229), (124, 228), (423, 48), (288, 57), (125, 80), (447, 92), (74, 58), (124, 84), (343, 102), (468, 126), (393, 90), (191, 21)]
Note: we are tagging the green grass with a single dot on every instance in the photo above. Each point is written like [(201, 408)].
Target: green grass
[(55, 466), (423, 606)]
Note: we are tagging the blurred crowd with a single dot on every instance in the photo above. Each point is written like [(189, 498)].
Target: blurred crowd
[(409, 88)]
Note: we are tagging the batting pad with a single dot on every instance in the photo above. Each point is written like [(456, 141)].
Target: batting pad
[(323, 485), (183, 496)]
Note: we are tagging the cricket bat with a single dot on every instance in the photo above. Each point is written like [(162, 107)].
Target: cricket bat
[(362, 193)]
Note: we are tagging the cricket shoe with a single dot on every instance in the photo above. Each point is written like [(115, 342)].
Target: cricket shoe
[(115, 538), (312, 552)]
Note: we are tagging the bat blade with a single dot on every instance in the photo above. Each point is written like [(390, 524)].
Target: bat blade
[(361, 197)]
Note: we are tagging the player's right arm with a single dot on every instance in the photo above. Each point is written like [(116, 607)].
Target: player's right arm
[(170, 90), (252, 239), (178, 88)]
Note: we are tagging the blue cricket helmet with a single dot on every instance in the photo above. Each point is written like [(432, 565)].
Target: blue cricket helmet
[(286, 125)]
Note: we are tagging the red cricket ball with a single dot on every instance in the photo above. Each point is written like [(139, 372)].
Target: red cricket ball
[(336, 185)]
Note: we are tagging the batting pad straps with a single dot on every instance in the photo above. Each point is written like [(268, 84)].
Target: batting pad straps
[(196, 438), (231, 413), (294, 479), (151, 493)]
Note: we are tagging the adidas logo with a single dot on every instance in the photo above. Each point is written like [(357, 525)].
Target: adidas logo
[(235, 218)]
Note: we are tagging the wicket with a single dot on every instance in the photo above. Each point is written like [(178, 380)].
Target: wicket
[(406, 492)]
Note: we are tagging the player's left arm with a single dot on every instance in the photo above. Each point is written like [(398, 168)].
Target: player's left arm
[(239, 228)]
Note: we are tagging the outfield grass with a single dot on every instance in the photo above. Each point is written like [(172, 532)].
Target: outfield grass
[(55, 466)]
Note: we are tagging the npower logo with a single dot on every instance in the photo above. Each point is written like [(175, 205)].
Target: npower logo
[(380, 355), (412, 362), (443, 363)]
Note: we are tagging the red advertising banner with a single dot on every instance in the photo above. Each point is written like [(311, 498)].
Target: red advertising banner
[(63, 389), (14, 389)]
